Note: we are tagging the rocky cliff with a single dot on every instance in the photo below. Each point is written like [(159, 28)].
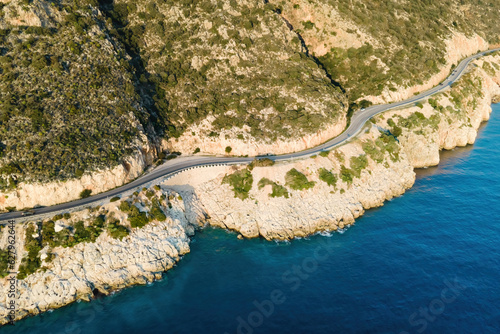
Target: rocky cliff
[(450, 119), (87, 269), (324, 207), (28, 195)]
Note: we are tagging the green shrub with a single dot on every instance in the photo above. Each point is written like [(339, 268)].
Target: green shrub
[(358, 164), (346, 174), (114, 199), (116, 230), (262, 162), (4, 263), (298, 181), (85, 193), (31, 262), (328, 177), (228, 149), (241, 181), (277, 190), (138, 220), (308, 25), (157, 212)]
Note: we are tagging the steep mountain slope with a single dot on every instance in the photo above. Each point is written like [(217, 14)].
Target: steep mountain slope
[(227, 65), (67, 101), (378, 47)]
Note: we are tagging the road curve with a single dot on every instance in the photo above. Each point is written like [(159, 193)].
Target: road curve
[(172, 167)]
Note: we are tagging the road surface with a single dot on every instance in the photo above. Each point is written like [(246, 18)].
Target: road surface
[(171, 167)]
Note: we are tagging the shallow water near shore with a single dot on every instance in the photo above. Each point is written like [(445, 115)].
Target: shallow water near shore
[(425, 262)]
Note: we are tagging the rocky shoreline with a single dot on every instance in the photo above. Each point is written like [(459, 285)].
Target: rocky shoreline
[(367, 171)]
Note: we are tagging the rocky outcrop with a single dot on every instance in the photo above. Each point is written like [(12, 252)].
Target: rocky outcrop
[(87, 269), (250, 146), (460, 111), (39, 14), (322, 208), (45, 194)]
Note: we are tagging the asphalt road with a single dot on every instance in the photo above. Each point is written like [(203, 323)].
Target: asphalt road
[(172, 167)]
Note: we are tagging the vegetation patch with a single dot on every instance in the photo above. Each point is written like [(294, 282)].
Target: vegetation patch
[(31, 262), (383, 144), (85, 193), (358, 164), (135, 217), (298, 181), (261, 162), (71, 237), (4, 263), (241, 182), (116, 230), (324, 154), (328, 177), (277, 189)]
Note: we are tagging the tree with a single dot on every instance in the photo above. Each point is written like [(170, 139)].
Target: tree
[(85, 193)]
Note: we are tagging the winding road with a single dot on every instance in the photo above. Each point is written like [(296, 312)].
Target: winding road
[(172, 167)]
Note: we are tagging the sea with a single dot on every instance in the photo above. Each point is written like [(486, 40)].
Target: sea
[(425, 262)]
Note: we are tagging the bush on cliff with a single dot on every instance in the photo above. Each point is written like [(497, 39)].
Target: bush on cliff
[(298, 181), (85, 193), (4, 263), (328, 177), (31, 262), (156, 211), (116, 230), (241, 181), (135, 217), (277, 189), (264, 162)]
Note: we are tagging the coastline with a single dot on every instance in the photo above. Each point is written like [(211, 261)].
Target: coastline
[(305, 211), (29, 195)]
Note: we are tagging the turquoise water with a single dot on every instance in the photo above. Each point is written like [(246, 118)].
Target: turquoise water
[(425, 262)]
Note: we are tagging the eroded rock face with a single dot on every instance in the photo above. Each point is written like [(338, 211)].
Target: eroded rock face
[(46, 194), (251, 146)]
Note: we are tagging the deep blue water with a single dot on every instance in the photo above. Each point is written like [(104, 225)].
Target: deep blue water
[(425, 262)]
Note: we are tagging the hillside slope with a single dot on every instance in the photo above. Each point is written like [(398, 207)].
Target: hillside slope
[(67, 100), (379, 47)]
